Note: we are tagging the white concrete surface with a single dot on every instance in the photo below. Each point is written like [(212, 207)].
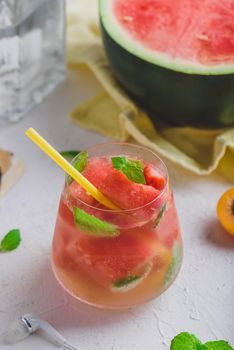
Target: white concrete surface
[(200, 301)]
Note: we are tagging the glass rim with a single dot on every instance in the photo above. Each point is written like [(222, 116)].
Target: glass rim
[(119, 211)]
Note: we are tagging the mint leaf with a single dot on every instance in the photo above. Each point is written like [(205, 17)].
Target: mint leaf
[(176, 261), (94, 226), (81, 161), (122, 282), (119, 162), (69, 154), (217, 345), (160, 215), (186, 341), (79, 164), (133, 169), (11, 241)]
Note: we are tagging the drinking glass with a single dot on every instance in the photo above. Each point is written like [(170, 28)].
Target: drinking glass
[(136, 254)]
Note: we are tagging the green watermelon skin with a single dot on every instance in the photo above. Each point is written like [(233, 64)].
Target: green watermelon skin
[(172, 96)]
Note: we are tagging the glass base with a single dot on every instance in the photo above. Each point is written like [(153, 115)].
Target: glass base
[(95, 296)]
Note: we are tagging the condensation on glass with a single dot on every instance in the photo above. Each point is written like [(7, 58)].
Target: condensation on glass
[(32, 53)]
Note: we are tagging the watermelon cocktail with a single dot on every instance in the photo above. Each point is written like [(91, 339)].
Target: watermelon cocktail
[(117, 258)]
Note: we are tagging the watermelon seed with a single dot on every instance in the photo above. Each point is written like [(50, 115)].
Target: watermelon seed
[(127, 19), (203, 37)]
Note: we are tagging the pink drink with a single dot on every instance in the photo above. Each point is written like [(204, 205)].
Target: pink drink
[(122, 258)]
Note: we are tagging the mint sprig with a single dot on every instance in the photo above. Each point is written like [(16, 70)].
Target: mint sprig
[(160, 215), (133, 169), (79, 164), (217, 345), (11, 241), (81, 161), (187, 341), (93, 226), (177, 254), (122, 282), (69, 154)]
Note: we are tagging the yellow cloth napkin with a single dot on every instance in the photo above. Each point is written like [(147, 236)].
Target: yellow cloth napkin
[(114, 114)]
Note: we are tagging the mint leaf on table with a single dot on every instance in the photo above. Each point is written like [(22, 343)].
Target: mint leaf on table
[(133, 169), (94, 226), (69, 154), (217, 345), (11, 241), (122, 282), (186, 341)]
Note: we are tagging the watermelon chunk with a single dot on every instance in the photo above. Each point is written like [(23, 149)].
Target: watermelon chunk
[(108, 261), (154, 178), (78, 192), (126, 194), (116, 186)]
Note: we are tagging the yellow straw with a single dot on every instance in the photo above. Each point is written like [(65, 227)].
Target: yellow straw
[(68, 168)]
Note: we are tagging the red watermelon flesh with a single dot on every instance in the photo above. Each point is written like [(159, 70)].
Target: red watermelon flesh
[(113, 259), (198, 31), (78, 192), (116, 186), (108, 260), (154, 178)]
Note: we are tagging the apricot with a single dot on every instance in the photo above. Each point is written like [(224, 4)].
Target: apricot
[(225, 210)]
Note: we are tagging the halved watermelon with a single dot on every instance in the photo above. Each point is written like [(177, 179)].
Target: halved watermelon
[(175, 57)]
